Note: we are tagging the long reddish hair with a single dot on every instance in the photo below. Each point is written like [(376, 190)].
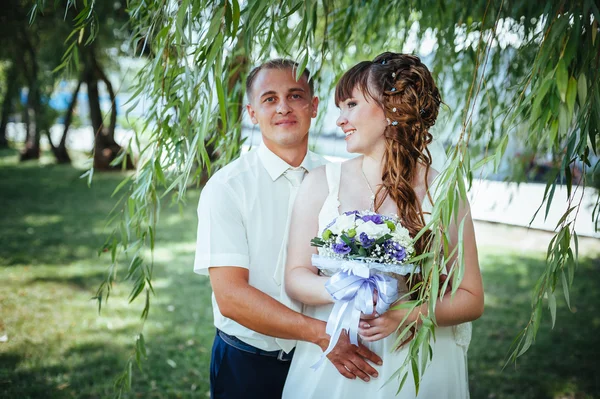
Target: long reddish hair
[(404, 88)]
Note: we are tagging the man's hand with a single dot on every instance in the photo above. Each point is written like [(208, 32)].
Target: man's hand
[(351, 360)]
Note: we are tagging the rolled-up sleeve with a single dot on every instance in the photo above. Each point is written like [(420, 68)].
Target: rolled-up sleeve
[(221, 239)]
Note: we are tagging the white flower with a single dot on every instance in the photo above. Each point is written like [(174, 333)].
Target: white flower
[(373, 230), (401, 235), (342, 223)]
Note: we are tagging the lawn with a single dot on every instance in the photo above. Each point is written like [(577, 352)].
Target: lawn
[(57, 345)]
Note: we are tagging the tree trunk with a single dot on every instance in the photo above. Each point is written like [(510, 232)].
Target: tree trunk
[(106, 148), (7, 104), (32, 143), (60, 152), (33, 116)]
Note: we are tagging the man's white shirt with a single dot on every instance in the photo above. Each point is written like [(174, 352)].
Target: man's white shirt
[(242, 217)]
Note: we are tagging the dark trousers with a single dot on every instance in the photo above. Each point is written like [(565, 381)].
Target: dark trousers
[(239, 370)]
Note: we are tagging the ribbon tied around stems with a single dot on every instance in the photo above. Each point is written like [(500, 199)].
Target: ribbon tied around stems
[(353, 291)]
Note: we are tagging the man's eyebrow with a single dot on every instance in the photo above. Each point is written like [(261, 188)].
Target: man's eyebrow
[(268, 93), (273, 92)]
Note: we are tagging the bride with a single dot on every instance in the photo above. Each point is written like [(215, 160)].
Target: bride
[(386, 108)]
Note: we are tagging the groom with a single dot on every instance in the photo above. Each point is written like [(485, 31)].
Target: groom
[(243, 218)]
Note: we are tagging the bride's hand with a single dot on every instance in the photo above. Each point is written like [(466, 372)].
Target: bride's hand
[(380, 327), (374, 314)]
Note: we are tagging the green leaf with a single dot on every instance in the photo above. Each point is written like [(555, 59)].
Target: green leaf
[(576, 242), (129, 374), (213, 29), (564, 120), (416, 377), (565, 215), (537, 317), (552, 306), (500, 151), (553, 133), (549, 200), (573, 44), (404, 334), (482, 162), (235, 17), (562, 80), (424, 255), (527, 341), (317, 242), (540, 94), (402, 382), (582, 89), (571, 94), (302, 65), (565, 286), (222, 103), (293, 9)]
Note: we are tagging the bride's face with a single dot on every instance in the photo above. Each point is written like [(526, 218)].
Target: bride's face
[(363, 123)]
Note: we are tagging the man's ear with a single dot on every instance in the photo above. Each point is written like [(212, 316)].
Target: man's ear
[(251, 114), (315, 106)]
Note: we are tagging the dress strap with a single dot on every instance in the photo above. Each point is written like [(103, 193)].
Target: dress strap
[(334, 174), (331, 206)]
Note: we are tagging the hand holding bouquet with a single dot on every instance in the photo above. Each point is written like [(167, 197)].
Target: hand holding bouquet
[(357, 248)]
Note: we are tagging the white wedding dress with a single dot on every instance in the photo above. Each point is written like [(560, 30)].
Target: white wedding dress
[(446, 373)]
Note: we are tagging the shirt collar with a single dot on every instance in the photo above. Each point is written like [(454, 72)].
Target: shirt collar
[(276, 166)]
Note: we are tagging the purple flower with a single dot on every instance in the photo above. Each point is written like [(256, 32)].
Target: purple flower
[(365, 241), (341, 248), (395, 250), (377, 219)]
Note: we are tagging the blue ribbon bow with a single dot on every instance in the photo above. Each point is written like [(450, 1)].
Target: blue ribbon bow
[(353, 294)]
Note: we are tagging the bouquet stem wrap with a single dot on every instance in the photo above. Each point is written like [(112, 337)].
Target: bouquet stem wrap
[(352, 289)]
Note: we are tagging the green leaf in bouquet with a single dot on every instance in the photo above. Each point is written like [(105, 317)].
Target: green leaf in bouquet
[(349, 242), (390, 225), (317, 242), (381, 239), (362, 251)]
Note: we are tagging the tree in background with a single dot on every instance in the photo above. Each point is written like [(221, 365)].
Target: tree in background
[(520, 71), (35, 51), (8, 89)]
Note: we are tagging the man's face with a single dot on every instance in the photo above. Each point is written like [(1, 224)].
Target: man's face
[(282, 107)]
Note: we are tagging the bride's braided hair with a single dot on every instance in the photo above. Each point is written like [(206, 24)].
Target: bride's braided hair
[(404, 88)]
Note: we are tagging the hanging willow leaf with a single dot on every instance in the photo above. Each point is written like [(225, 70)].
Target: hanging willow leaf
[(582, 89), (562, 79)]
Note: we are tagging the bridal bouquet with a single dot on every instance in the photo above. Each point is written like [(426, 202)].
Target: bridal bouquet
[(356, 249)]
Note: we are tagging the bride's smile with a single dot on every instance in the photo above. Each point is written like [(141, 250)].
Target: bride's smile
[(363, 123)]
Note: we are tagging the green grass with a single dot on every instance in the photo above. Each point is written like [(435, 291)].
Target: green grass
[(58, 346)]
